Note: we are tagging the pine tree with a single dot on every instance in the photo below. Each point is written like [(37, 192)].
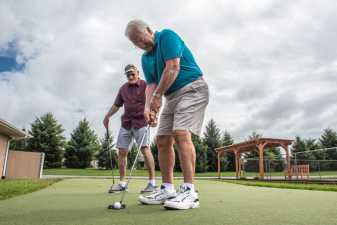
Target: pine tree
[(154, 150), (201, 154), (225, 141), (47, 138), (212, 138), (81, 147), (107, 153), (252, 154), (328, 140), (302, 149), (132, 156), (254, 135), (252, 162)]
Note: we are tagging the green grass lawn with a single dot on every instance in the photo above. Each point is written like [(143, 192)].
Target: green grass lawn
[(11, 188), (286, 185), (84, 201), (142, 172), (98, 172)]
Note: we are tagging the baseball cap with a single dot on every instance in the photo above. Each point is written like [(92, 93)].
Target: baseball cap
[(129, 68)]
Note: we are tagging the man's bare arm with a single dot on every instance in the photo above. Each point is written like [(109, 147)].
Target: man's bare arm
[(112, 110), (150, 88), (169, 75)]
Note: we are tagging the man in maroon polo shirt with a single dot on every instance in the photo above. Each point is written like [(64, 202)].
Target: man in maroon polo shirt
[(132, 96)]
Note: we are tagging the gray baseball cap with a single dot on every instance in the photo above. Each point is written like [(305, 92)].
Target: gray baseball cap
[(129, 68)]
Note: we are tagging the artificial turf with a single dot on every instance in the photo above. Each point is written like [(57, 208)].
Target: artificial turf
[(286, 185), (84, 201), (142, 172), (12, 188)]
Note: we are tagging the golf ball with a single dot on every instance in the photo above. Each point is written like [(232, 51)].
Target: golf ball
[(117, 205)]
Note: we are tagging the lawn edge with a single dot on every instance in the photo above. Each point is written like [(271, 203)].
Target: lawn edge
[(49, 183), (296, 186)]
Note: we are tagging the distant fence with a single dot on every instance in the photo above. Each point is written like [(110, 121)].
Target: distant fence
[(22, 164)]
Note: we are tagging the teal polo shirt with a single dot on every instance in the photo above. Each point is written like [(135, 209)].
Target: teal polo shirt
[(168, 45)]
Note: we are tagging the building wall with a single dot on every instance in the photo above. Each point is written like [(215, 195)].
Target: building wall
[(3, 149), (24, 164)]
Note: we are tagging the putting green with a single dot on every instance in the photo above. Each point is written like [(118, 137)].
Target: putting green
[(84, 201)]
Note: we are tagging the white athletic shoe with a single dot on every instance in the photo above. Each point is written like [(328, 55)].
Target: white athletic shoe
[(158, 197), (185, 199)]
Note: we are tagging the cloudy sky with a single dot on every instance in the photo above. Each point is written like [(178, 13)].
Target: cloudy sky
[(271, 65)]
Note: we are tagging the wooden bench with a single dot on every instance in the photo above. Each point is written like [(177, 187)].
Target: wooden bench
[(299, 171)]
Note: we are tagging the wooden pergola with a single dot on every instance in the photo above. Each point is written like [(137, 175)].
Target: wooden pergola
[(258, 145)]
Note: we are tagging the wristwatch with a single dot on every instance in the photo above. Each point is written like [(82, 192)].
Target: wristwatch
[(155, 94)]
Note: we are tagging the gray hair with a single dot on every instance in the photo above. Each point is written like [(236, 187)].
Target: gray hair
[(137, 25)]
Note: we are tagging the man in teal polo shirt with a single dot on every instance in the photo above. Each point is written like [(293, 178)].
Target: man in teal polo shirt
[(171, 71)]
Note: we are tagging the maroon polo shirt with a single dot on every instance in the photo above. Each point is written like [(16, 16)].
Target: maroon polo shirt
[(132, 96)]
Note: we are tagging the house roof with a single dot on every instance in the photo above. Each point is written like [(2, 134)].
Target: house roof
[(11, 131)]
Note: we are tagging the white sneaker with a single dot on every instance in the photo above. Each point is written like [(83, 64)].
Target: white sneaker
[(158, 197), (185, 199)]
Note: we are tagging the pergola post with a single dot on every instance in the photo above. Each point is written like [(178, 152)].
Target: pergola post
[(219, 166), (285, 147), (236, 163), (239, 163), (261, 160)]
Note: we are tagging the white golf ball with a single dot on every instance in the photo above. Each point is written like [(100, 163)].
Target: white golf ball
[(117, 205)]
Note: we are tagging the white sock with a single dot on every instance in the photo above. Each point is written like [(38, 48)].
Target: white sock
[(122, 183), (168, 186), (152, 182), (189, 185)]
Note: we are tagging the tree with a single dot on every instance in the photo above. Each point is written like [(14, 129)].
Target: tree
[(328, 140), (21, 144), (107, 151), (155, 153), (212, 139), (230, 158), (81, 147), (48, 138), (254, 135), (201, 154), (251, 158), (302, 150), (154, 150), (132, 156)]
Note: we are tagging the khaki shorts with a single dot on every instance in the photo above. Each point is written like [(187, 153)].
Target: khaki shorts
[(126, 138), (184, 109)]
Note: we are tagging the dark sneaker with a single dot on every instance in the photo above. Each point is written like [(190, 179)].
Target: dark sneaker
[(149, 188), (116, 188), (185, 199), (158, 197)]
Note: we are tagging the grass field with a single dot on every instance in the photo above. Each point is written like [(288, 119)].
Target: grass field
[(142, 172), (11, 188), (98, 172), (84, 201), (286, 185)]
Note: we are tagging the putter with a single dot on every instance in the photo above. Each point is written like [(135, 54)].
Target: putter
[(120, 204)]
